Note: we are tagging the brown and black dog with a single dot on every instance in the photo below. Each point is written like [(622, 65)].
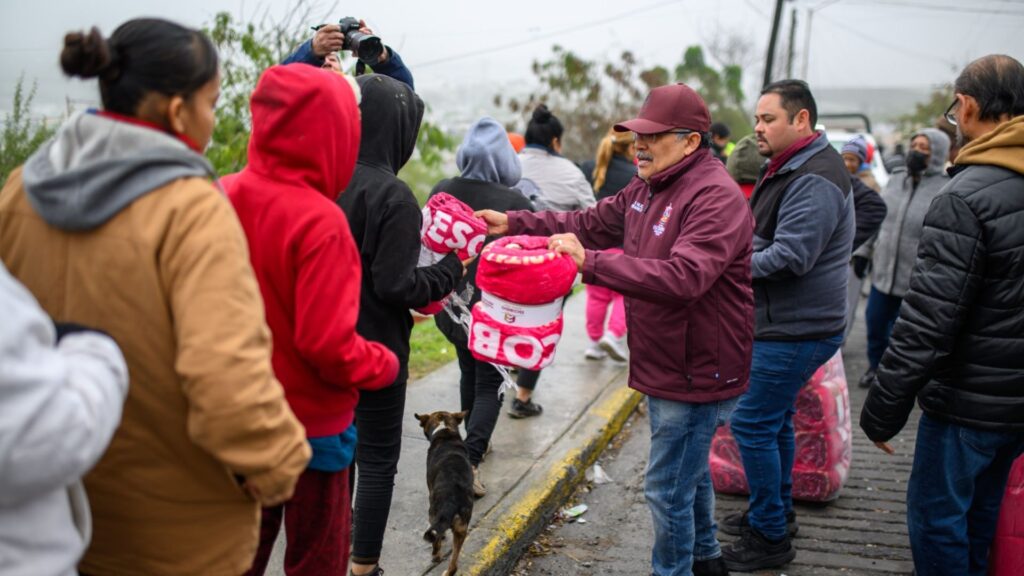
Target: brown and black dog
[(450, 482)]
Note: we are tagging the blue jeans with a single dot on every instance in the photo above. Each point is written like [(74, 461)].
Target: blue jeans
[(763, 425), (954, 493), (879, 318), (678, 483)]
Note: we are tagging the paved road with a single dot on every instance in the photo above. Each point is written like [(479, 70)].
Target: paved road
[(863, 533)]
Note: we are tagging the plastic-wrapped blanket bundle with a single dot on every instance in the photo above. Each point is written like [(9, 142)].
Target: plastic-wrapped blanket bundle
[(1007, 554), (448, 226), (518, 320), (823, 441)]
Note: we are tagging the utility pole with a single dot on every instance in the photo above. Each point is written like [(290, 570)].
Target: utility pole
[(770, 62), (807, 44), (792, 43), (807, 34)]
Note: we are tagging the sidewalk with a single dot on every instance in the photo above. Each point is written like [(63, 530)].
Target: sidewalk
[(533, 466)]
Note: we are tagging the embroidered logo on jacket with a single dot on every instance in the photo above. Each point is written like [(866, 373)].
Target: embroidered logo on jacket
[(637, 206), (659, 228)]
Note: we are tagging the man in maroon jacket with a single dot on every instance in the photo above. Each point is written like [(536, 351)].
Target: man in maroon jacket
[(686, 232)]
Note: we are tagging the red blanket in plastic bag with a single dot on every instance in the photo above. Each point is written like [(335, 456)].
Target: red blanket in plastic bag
[(823, 441), (1007, 555)]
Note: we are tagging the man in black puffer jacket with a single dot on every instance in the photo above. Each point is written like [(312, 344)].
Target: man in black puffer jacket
[(958, 345)]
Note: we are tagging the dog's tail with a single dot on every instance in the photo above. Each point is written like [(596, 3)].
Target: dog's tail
[(442, 522), (431, 535)]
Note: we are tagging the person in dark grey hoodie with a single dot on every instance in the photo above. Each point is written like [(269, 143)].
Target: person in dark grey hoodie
[(385, 220), (907, 196), (490, 168)]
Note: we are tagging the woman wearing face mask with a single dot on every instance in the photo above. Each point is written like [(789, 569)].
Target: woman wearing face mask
[(907, 196), (117, 224)]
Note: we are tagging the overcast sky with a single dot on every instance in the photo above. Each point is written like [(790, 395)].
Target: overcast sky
[(453, 44)]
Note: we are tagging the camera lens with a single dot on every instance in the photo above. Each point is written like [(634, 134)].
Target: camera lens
[(368, 48)]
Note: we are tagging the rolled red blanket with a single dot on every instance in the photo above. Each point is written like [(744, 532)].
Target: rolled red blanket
[(448, 226), (727, 477), (518, 321), (823, 440), (521, 269), (724, 446), (818, 485)]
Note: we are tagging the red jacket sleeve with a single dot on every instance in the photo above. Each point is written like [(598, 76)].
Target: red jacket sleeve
[(599, 227), (326, 309)]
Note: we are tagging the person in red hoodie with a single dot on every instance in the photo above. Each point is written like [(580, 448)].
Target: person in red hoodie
[(302, 153)]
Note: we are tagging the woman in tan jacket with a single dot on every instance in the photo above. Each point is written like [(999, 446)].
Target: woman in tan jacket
[(116, 223)]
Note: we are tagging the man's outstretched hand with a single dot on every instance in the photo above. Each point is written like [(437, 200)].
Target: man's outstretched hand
[(568, 244), (497, 223)]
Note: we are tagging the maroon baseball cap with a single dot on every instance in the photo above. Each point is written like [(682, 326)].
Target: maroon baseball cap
[(671, 107)]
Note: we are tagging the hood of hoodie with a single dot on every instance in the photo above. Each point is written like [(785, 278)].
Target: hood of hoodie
[(939, 143), (1003, 147), (95, 166), (305, 128), (486, 154), (392, 113)]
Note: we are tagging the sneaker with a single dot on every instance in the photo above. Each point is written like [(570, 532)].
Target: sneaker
[(754, 552), (737, 524), (377, 571), (615, 347), (526, 409), (479, 490), (867, 379), (595, 352), (713, 567)]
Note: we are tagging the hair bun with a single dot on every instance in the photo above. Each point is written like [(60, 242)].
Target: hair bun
[(541, 114), (86, 55)]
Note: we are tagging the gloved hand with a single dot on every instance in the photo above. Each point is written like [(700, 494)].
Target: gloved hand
[(860, 266)]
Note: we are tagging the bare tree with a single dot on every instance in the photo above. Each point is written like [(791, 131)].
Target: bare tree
[(731, 48)]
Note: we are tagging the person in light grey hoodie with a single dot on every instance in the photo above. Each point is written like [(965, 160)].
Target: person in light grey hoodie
[(489, 169), (907, 196), (61, 394)]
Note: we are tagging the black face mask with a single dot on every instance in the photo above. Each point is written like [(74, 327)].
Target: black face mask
[(917, 162)]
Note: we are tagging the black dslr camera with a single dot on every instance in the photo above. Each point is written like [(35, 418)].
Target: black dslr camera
[(368, 48)]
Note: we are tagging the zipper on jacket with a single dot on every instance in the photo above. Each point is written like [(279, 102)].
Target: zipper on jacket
[(899, 235), (646, 208), (643, 218), (767, 304)]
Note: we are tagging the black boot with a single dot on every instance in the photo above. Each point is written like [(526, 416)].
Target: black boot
[(713, 567), (735, 524), (867, 379), (754, 552)]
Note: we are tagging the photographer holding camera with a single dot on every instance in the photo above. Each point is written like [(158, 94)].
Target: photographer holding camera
[(352, 34)]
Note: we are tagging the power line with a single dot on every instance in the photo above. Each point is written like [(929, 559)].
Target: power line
[(899, 49), (942, 8), (750, 4), (551, 34)]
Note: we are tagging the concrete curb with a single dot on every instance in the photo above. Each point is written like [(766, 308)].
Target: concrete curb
[(505, 532)]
